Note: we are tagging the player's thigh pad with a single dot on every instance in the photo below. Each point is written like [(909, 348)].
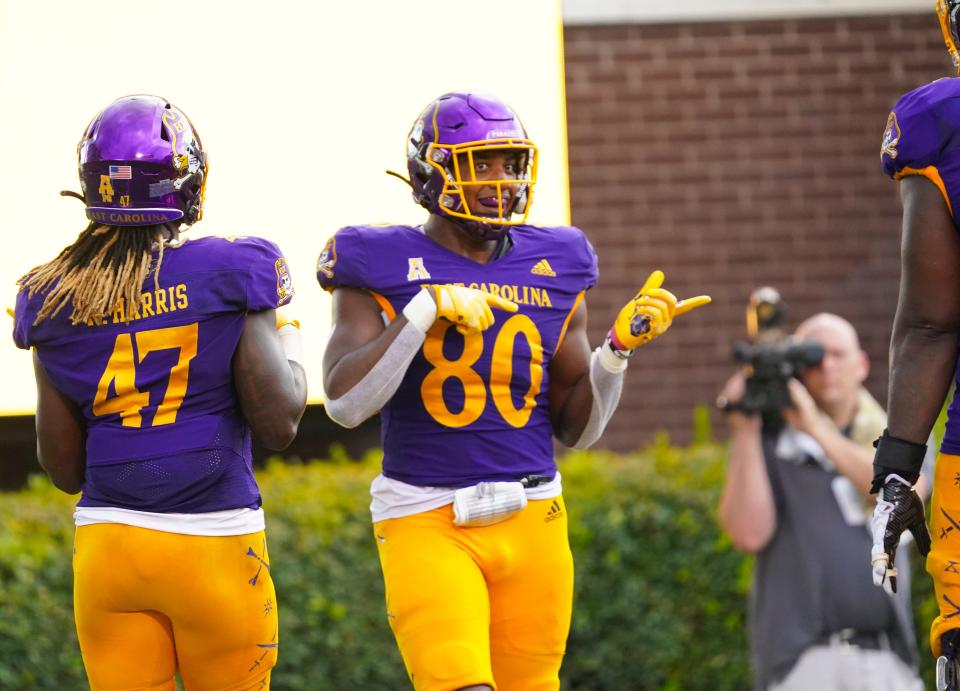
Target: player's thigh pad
[(471, 605), (437, 602), (214, 594), (531, 599), (124, 643), (943, 562)]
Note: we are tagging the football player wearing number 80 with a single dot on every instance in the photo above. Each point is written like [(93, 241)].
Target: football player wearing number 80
[(154, 359), (468, 334)]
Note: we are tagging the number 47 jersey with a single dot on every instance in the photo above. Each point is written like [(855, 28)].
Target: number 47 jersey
[(469, 409), (154, 382)]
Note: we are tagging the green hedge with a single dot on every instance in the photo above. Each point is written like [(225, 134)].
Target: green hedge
[(660, 593)]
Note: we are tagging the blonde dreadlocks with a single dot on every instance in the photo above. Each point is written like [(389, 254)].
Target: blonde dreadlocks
[(106, 264)]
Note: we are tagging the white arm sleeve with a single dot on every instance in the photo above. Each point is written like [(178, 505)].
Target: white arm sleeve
[(372, 392), (606, 381)]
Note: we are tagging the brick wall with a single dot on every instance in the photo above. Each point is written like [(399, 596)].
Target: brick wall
[(733, 155), (730, 155)]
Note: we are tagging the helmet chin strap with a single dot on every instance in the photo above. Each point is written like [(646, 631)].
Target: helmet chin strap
[(71, 193), (398, 175), (478, 230), (483, 231)]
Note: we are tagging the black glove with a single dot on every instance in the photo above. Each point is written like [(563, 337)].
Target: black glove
[(899, 508)]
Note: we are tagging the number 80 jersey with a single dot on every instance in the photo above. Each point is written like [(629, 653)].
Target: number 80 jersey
[(474, 408)]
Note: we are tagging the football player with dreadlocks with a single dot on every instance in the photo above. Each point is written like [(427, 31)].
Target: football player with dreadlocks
[(154, 359), (921, 150), (468, 334)]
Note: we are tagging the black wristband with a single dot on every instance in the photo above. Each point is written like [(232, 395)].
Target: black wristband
[(622, 354), (896, 457)]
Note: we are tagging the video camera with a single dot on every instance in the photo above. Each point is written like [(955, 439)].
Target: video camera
[(771, 357)]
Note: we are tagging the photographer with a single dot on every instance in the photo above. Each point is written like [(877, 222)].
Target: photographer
[(795, 495)]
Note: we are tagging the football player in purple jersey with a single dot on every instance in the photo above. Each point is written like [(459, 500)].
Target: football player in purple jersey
[(920, 148), (155, 358), (468, 335)]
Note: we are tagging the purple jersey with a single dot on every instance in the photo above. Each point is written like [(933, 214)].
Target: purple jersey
[(154, 382), (470, 409), (921, 139)]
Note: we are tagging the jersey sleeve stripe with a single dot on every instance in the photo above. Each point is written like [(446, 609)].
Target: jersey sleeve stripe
[(384, 305), (932, 174), (566, 322)]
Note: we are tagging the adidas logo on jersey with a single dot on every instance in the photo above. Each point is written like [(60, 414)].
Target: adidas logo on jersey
[(554, 512), (543, 268)]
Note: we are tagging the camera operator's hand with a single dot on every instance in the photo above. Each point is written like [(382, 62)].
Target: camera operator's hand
[(899, 508), (804, 415), (728, 400), (649, 314)]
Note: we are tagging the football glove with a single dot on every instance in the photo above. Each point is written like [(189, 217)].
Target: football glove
[(899, 508), (649, 314), (468, 308)]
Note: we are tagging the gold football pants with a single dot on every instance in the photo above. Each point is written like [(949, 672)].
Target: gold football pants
[(943, 562), (488, 605), (148, 603)]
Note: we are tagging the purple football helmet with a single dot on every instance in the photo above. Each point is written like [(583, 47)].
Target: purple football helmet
[(948, 12), (142, 163), (440, 160)]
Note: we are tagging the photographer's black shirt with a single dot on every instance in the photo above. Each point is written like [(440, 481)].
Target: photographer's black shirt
[(813, 578)]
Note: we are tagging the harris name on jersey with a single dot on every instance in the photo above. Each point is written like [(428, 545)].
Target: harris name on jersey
[(152, 303)]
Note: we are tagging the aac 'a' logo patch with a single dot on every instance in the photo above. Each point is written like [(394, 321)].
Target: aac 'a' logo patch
[(284, 282), (416, 271), (328, 257), (891, 137)]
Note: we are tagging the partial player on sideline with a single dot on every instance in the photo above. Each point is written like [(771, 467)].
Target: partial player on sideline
[(920, 149)]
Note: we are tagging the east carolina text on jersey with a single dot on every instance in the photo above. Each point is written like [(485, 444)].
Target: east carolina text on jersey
[(474, 408)]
